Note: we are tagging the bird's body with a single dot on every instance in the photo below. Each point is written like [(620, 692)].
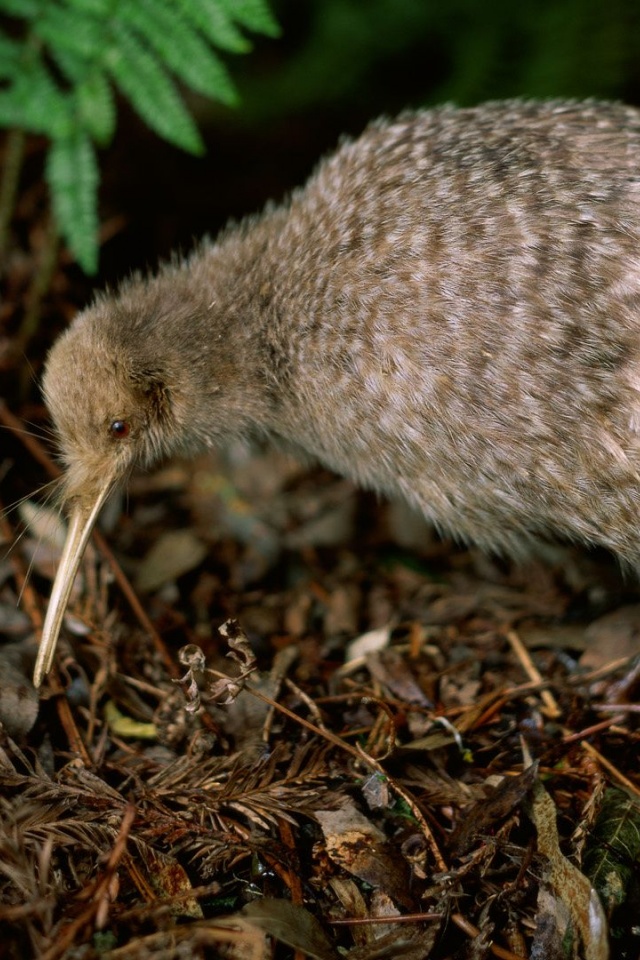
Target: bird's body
[(448, 311)]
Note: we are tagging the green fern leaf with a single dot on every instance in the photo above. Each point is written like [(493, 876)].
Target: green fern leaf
[(71, 64), (34, 102), (27, 9), (139, 75), (96, 107), (254, 14), (10, 110), (45, 105), (72, 175), (179, 47), (10, 57), (63, 29), (215, 24), (99, 8)]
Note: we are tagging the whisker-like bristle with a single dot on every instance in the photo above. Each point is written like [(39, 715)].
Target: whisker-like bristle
[(54, 490)]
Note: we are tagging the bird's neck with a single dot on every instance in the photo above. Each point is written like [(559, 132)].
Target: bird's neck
[(218, 323)]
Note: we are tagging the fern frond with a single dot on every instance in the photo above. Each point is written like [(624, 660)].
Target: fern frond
[(140, 76), (254, 14), (10, 57), (99, 8), (80, 33), (33, 102), (215, 24), (10, 110), (72, 65), (72, 175), (180, 47), (96, 107), (136, 44), (27, 9)]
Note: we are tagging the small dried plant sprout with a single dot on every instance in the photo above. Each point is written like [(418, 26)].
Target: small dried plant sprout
[(201, 681)]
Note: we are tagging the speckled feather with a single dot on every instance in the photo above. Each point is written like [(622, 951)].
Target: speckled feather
[(448, 311)]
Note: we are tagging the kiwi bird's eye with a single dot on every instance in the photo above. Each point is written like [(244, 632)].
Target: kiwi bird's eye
[(119, 429)]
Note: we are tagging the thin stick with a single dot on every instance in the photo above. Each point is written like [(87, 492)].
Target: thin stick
[(551, 708), (472, 931), (615, 773)]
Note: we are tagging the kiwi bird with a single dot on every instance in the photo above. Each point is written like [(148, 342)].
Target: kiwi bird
[(448, 311)]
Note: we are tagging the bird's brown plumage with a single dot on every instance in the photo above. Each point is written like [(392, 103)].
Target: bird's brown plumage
[(448, 311)]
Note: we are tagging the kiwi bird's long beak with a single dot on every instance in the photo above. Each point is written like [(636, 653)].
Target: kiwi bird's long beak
[(82, 517)]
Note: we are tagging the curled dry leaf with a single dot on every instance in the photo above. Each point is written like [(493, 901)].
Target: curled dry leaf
[(216, 687), (224, 691), (192, 657), (239, 646)]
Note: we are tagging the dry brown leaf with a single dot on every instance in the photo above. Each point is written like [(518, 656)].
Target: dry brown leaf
[(568, 884), (393, 671), (354, 905), (291, 924), (484, 816), (174, 554), (369, 642), (170, 880), (360, 848), (615, 635)]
